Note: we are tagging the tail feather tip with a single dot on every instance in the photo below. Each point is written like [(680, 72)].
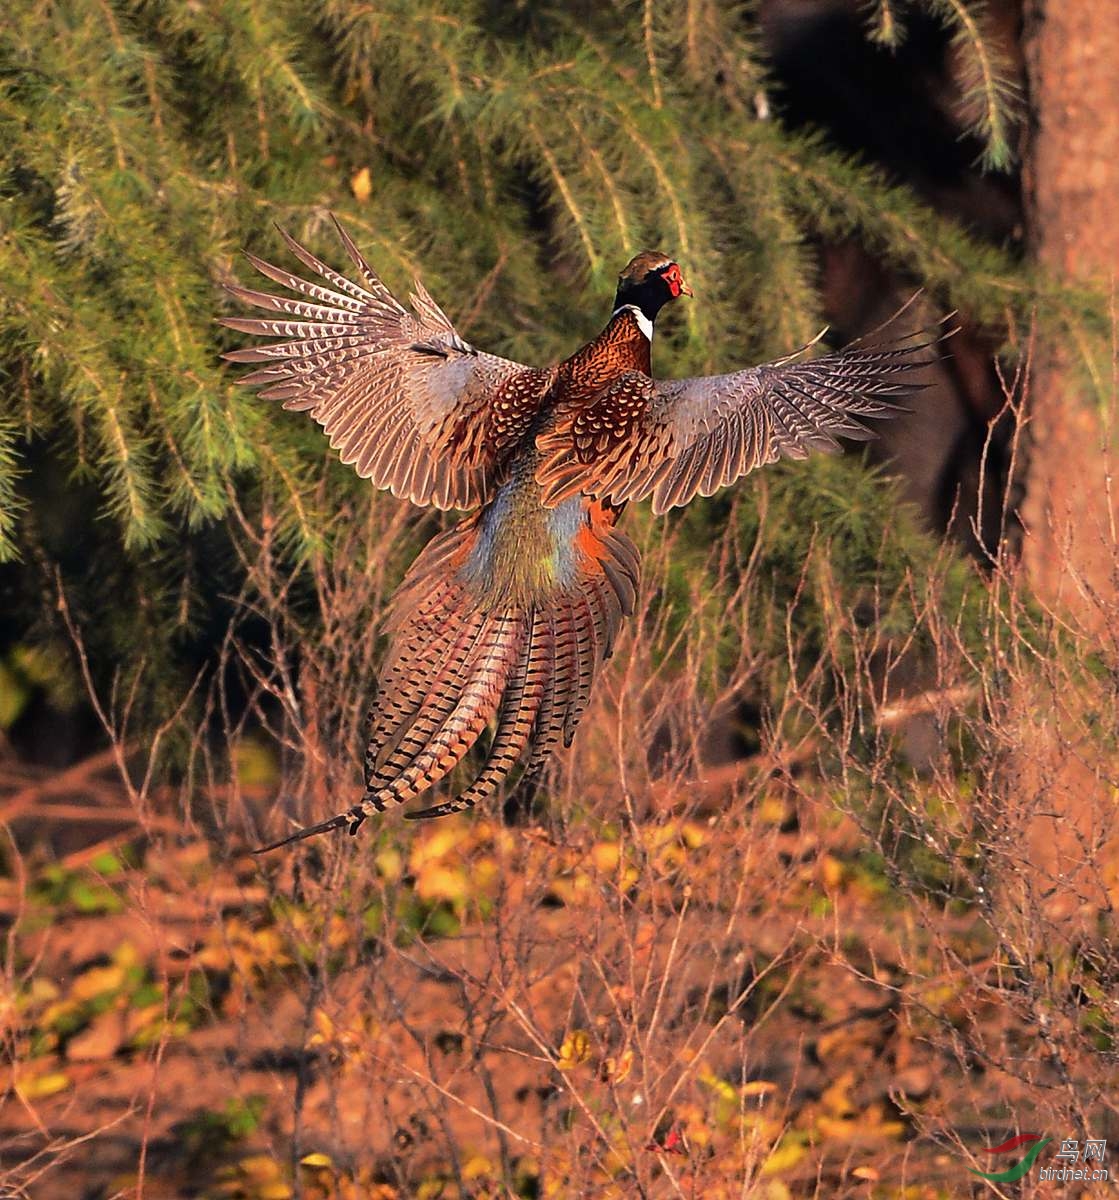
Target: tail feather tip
[(353, 818)]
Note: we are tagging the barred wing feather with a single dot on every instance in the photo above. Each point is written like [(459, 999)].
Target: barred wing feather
[(401, 396), (674, 439)]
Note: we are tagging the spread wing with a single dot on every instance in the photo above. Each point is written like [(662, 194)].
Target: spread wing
[(674, 439), (401, 396)]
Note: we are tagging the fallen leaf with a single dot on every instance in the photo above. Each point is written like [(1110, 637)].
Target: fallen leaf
[(99, 1041), (42, 1086), (617, 1069), (576, 1049), (605, 856), (97, 981), (478, 1167), (836, 1098), (788, 1153)]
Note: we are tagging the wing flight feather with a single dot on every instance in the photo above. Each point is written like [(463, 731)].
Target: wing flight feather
[(672, 440), (403, 398)]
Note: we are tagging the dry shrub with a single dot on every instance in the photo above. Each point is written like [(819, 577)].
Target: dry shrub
[(802, 914)]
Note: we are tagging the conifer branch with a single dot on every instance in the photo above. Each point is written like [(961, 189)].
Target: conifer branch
[(11, 503), (131, 178), (988, 87), (651, 53), (885, 27), (595, 158), (575, 212)]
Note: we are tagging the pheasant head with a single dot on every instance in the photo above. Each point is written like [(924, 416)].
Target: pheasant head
[(648, 283)]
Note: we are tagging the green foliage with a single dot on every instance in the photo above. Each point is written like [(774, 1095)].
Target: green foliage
[(26, 669), (990, 97), (84, 891), (10, 500), (213, 1132), (990, 93), (512, 155)]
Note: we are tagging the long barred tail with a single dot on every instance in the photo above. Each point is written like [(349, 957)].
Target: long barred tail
[(458, 660)]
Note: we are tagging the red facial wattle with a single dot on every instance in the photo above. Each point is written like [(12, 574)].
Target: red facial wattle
[(675, 280)]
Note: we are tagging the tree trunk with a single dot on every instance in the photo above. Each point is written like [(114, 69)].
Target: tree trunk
[(1072, 204), (1059, 773)]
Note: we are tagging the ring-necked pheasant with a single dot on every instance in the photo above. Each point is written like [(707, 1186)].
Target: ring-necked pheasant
[(509, 615)]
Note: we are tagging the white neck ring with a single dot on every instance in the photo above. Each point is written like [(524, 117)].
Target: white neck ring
[(643, 322)]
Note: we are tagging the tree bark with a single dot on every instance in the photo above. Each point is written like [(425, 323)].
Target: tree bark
[(1072, 206), (1060, 766)]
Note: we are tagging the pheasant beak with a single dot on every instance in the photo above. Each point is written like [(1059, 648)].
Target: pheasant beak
[(685, 290)]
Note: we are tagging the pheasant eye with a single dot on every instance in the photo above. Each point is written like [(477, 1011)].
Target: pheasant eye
[(674, 279)]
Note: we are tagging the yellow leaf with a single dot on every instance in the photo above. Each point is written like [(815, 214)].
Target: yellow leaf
[(721, 1088), (53, 1013), (485, 875), (43, 1085), (316, 1160), (41, 991), (605, 856), (337, 933), (126, 955), (694, 835), (837, 1099), (96, 981), (255, 764), (576, 1049), (259, 1166), (362, 185), (773, 810), (843, 1129), (758, 1087), (390, 864), (831, 1045), (618, 1068), (788, 1153), (436, 845), (571, 889), (832, 871), (438, 882), (865, 1173), (477, 1167)]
